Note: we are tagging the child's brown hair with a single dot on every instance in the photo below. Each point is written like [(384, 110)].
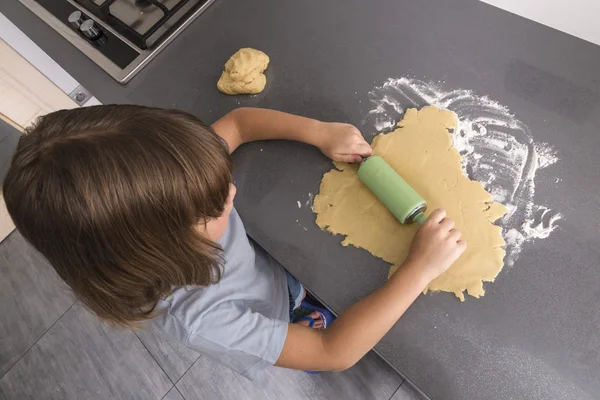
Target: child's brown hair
[(111, 196)]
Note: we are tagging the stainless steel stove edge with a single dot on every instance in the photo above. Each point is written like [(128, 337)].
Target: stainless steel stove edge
[(120, 75)]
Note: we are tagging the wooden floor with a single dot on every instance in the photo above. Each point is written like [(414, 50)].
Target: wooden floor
[(52, 348)]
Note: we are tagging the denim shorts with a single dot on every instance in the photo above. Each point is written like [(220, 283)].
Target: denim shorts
[(296, 292)]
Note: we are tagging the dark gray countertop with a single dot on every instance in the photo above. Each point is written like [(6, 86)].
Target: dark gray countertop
[(536, 333)]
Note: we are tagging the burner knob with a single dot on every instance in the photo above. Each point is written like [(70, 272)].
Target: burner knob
[(90, 29), (76, 19)]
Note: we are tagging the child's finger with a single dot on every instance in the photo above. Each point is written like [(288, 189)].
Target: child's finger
[(349, 158), (437, 215), (454, 235), (364, 149), (447, 224)]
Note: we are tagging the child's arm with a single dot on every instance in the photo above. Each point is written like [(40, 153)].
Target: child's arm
[(338, 141), (435, 247)]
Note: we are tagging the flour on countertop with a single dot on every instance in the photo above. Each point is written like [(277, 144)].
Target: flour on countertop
[(307, 203), (304, 228), (497, 150), (310, 198)]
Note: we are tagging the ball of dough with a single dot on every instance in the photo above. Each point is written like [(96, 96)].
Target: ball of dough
[(244, 72)]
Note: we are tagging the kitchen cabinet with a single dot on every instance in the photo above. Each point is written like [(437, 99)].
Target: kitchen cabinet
[(25, 95)]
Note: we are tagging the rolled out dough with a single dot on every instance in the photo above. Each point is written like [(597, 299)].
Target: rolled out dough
[(244, 72), (421, 151)]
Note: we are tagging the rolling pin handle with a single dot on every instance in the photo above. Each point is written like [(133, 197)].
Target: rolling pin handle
[(420, 218)]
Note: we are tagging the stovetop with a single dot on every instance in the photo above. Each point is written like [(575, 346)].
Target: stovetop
[(143, 22), (121, 36)]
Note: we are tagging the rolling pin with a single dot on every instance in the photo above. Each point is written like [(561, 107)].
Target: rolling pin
[(393, 191)]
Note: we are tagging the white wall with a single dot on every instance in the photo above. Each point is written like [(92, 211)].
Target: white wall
[(579, 18)]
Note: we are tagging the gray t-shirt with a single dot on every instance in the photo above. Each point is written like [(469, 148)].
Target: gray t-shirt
[(242, 320)]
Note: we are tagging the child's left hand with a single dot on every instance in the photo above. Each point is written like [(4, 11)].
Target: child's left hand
[(343, 142)]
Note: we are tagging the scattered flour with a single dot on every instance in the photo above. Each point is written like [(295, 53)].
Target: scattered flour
[(310, 199), (540, 228), (497, 149), (546, 155), (307, 203), (304, 228)]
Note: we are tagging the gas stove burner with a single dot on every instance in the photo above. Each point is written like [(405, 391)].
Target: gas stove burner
[(121, 36), (145, 4)]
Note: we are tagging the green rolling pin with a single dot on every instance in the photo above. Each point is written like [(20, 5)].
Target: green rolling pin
[(393, 191)]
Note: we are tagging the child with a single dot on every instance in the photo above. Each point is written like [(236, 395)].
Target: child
[(133, 207)]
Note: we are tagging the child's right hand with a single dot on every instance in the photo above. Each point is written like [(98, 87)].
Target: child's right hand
[(436, 245)]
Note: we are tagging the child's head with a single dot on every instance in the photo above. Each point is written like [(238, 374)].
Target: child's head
[(117, 197)]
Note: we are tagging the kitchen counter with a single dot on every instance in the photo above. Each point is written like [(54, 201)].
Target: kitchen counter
[(536, 333)]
